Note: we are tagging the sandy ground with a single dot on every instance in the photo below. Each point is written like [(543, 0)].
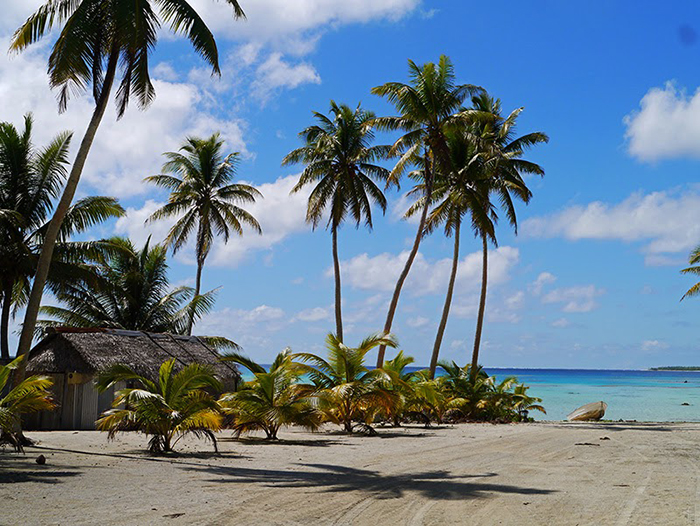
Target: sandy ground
[(522, 474)]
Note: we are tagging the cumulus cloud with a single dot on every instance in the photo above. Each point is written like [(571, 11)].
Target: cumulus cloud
[(668, 221), (654, 345), (667, 125), (276, 73), (312, 315), (575, 299), (417, 322), (380, 272), (279, 214), (561, 323), (124, 151), (545, 278)]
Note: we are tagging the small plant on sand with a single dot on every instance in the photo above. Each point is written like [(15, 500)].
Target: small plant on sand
[(272, 399), (30, 396), (349, 393), (176, 404)]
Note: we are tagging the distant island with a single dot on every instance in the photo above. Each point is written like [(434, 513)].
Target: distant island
[(675, 368)]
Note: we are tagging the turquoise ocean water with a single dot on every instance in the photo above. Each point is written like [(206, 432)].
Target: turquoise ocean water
[(652, 396)]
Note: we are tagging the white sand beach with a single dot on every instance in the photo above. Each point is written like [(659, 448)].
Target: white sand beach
[(481, 474)]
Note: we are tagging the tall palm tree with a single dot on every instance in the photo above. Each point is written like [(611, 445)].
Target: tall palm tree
[(694, 261), (427, 107), (503, 150), (203, 197), (134, 294), (30, 180), (97, 38), (340, 161), (464, 189)]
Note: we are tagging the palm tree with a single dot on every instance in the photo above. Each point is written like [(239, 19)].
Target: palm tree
[(30, 180), (525, 403), (177, 404), (203, 198), (97, 38), (464, 189), (30, 396), (348, 391), (275, 398), (340, 162), (427, 107), (694, 261), (134, 294), (496, 137)]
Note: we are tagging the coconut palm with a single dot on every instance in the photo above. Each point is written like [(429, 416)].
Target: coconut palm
[(134, 294), (349, 393), (506, 167), (273, 399), (30, 396), (203, 198), (30, 180), (98, 41), (427, 107), (525, 403), (340, 161), (694, 261), (463, 190), (176, 404)]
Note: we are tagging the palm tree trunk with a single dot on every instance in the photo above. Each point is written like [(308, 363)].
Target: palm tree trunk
[(482, 308), (5, 320), (64, 204), (197, 290), (446, 307), (336, 268), (407, 267)]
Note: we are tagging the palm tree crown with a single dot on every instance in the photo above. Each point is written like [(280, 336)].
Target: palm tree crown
[(694, 261), (203, 197)]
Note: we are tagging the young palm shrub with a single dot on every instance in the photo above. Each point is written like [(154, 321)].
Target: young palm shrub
[(177, 404), (349, 394), (525, 403), (275, 398), (30, 396), (426, 398)]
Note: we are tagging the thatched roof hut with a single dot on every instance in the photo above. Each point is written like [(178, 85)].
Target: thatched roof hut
[(89, 351), (73, 357)]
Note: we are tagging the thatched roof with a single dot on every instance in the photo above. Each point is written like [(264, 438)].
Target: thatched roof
[(90, 351)]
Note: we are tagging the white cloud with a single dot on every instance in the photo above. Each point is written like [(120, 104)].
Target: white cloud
[(575, 299), (667, 125), (654, 345), (134, 226), (417, 321), (124, 151), (668, 221), (276, 73), (561, 323), (545, 278), (312, 315), (381, 272), (515, 301)]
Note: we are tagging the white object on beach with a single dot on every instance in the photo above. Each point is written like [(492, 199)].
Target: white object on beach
[(592, 411)]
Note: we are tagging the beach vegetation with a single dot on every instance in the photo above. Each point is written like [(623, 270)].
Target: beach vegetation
[(275, 397), (178, 403), (31, 395)]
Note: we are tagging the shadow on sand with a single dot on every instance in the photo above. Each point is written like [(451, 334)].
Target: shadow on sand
[(20, 468), (436, 485)]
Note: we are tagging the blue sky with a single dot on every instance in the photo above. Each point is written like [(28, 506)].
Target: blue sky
[(592, 279)]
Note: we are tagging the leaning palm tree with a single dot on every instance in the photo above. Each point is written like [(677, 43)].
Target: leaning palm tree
[(30, 396), (506, 167), (340, 161), (203, 198), (349, 393), (273, 399), (694, 261), (176, 404), (134, 293), (427, 107), (98, 41), (30, 180)]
